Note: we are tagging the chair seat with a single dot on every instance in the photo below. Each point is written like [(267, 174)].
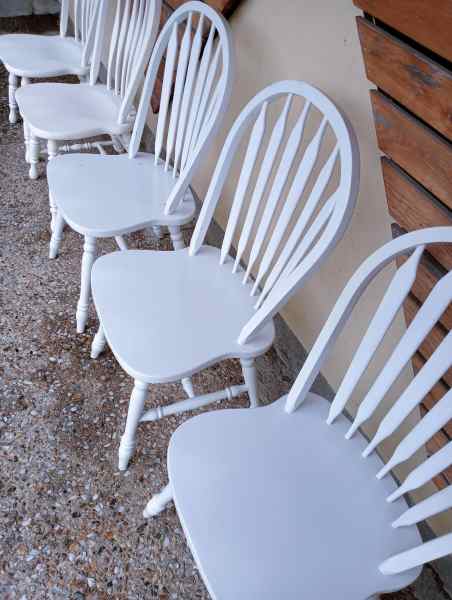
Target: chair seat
[(281, 506), (64, 111), (167, 315), (40, 56), (112, 195)]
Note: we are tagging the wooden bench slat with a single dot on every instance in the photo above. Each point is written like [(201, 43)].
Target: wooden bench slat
[(414, 208), (421, 152), (427, 22)]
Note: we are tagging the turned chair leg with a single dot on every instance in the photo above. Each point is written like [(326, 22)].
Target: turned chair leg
[(250, 376), (99, 343), (52, 152), (128, 440), (34, 150), (26, 81), (187, 384), (13, 84), (158, 502), (89, 251), (176, 237), (57, 236)]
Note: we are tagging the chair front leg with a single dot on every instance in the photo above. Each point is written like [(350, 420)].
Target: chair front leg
[(13, 84), (52, 152), (128, 440), (89, 251), (99, 343), (34, 150), (176, 237), (57, 236), (158, 502), (250, 376)]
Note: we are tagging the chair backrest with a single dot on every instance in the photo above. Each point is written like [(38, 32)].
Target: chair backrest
[(85, 13), (436, 366), (134, 31), (198, 57), (283, 250)]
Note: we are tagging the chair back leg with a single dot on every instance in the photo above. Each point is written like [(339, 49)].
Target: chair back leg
[(13, 84), (158, 502), (250, 376)]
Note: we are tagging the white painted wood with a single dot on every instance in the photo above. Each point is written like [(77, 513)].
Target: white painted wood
[(428, 314), (193, 403), (251, 501), (253, 496), (13, 84), (200, 295), (152, 329), (188, 387), (34, 150), (57, 236), (128, 440), (89, 250), (350, 296), (425, 471), (250, 377), (393, 299), (432, 422), (433, 505), (115, 195), (99, 343), (421, 384), (158, 502), (414, 557), (57, 111)]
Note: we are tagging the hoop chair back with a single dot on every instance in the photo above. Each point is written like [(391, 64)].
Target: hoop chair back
[(284, 249), (437, 302), (134, 31), (197, 81), (86, 14)]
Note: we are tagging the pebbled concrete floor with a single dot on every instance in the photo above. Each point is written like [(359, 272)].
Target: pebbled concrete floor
[(70, 523)]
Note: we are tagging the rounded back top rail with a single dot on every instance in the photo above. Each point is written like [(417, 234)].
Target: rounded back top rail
[(435, 367), (282, 265), (197, 83)]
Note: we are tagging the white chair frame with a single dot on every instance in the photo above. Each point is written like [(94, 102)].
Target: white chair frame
[(192, 115), (402, 567), (84, 27), (134, 32), (312, 239)]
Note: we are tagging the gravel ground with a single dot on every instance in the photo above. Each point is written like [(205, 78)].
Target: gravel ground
[(71, 524)]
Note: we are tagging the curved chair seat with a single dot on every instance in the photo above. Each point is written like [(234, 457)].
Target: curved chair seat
[(62, 111), (166, 315), (39, 56), (113, 195), (278, 506)]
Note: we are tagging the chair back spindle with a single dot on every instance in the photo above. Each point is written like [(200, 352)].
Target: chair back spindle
[(284, 171), (132, 39), (428, 315), (196, 47)]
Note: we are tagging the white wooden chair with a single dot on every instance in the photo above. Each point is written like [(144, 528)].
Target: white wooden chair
[(167, 315), (114, 195), (56, 112), (276, 504), (28, 56)]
